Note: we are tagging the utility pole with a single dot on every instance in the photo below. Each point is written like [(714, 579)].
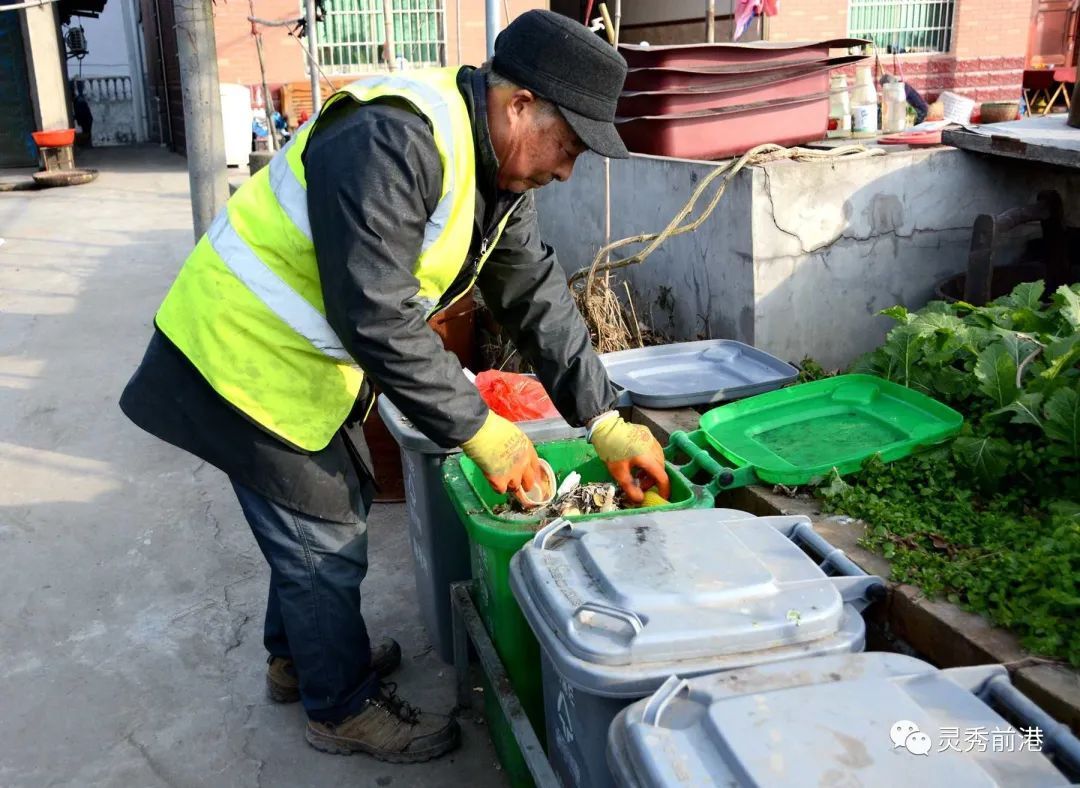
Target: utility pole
[(491, 19), (313, 55), (388, 26), (268, 103), (202, 110)]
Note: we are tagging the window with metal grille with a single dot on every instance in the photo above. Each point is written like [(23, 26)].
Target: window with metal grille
[(904, 25), (352, 35)]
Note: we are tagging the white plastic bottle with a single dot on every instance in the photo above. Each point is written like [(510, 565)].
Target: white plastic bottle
[(864, 106), (893, 107), (839, 107)]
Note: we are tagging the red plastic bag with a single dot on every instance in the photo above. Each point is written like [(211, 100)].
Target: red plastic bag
[(515, 397)]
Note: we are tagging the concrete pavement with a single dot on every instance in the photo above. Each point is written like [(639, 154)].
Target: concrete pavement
[(133, 591)]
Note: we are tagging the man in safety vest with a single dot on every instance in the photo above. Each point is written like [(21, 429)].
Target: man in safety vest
[(317, 280)]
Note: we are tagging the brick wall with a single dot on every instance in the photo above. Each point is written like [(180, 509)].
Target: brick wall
[(984, 28), (979, 78), (992, 28), (238, 62), (989, 44), (813, 20)]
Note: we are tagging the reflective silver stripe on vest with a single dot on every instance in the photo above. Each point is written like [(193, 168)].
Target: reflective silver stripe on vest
[(290, 193), (440, 118), (278, 296)]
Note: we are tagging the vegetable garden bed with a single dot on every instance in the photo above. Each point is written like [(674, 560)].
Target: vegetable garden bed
[(991, 519)]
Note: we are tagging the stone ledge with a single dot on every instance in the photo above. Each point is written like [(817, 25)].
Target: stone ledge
[(940, 632)]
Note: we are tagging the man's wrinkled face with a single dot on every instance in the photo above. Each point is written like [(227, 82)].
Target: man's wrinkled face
[(533, 143)]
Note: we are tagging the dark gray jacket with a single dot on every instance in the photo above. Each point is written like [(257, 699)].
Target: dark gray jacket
[(373, 178)]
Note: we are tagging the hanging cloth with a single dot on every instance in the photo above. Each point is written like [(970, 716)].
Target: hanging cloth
[(746, 10)]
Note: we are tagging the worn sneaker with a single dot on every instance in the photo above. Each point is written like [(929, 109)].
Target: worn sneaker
[(283, 685), (388, 729)]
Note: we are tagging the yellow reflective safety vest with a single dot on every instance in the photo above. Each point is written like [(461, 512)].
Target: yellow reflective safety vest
[(247, 306)]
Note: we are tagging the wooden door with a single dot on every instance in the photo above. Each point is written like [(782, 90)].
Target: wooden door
[(1052, 37)]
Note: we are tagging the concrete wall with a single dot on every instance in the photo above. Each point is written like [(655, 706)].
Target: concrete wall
[(697, 284), (836, 243), (798, 258), (112, 103), (45, 61)]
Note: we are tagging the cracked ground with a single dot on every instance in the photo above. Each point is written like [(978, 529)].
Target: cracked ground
[(133, 592)]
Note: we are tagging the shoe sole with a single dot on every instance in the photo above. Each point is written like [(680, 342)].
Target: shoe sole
[(336, 745), (279, 693)]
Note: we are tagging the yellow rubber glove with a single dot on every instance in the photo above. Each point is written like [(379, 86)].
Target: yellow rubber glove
[(623, 447), (505, 455)]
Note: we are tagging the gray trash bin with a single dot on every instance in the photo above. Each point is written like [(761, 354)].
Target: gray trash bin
[(871, 719), (440, 546), (620, 605)]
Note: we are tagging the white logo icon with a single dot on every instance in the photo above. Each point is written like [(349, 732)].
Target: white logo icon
[(906, 734), (900, 731), (918, 743)]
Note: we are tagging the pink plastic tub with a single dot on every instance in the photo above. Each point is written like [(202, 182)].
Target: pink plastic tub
[(729, 131), (718, 55), (723, 93), (706, 78)]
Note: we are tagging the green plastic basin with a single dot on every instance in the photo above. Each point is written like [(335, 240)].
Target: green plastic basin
[(794, 435)]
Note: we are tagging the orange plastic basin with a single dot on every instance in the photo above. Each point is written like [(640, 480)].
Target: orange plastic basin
[(53, 139)]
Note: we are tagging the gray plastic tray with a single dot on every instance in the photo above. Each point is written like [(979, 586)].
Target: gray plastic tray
[(695, 373)]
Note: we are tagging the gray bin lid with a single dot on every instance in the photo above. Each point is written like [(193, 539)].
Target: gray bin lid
[(656, 588), (826, 721), (411, 439), (695, 373)]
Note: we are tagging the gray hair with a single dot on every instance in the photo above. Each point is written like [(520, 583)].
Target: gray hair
[(496, 80)]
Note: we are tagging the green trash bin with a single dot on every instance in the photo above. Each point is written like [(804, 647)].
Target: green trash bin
[(493, 540)]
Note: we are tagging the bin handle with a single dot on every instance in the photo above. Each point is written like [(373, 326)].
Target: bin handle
[(626, 616), (543, 536), (1058, 742), (658, 703)]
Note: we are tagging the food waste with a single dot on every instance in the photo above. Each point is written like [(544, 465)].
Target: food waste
[(572, 498)]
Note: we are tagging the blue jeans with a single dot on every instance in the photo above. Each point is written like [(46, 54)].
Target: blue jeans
[(313, 611)]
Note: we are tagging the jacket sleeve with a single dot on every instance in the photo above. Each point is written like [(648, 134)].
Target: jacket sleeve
[(525, 288), (373, 179)]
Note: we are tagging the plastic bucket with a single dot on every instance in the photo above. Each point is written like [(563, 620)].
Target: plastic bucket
[(494, 539), (439, 544)]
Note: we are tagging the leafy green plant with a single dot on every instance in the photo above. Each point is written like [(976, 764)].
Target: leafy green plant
[(810, 370), (1011, 367), (991, 520)]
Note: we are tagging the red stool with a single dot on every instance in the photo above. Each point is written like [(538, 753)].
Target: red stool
[(1038, 82), (1063, 76)]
